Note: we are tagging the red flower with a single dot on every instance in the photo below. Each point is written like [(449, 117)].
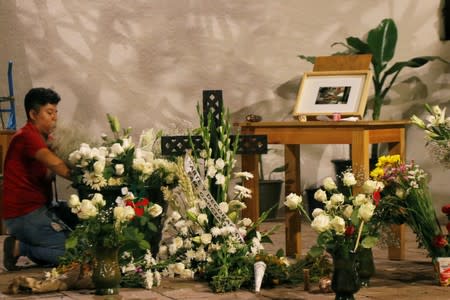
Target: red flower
[(376, 197), (139, 206), (350, 230), (440, 241), (446, 209)]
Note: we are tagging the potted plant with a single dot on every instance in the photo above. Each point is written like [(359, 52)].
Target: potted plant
[(380, 42), (269, 190)]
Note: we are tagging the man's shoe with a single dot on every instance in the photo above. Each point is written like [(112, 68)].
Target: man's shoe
[(9, 260)]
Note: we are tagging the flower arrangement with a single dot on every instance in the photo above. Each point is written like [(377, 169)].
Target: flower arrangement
[(406, 193), (119, 162), (198, 244), (344, 223), (437, 134)]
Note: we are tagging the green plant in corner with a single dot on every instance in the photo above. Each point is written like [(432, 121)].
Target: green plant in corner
[(381, 43)]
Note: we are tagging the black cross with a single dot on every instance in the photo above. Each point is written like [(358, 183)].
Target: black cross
[(212, 103)]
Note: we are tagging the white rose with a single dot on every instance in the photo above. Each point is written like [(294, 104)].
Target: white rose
[(317, 211), (366, 211), (74, 201), (206, 238), (329, 184), (155, 210), (87, 210), (99, 167), (178, 268), (98, 200), (321, 223), (320, 195), (360, 199), (246, 222), (369, 186), (120, 169), (338, 224), (337, 199), (293, 201), (202, 219), (348, 210), (349, 179), (116, 149)]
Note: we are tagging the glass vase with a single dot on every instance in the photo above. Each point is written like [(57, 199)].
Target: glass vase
[(366, 266), (345, 280), (106, 271)]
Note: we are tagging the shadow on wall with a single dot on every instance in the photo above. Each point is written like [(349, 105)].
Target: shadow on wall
[(277, 109)]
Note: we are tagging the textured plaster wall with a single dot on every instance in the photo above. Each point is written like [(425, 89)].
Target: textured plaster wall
[(148, 61)]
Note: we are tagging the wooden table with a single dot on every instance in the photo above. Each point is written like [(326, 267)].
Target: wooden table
[(359, 135)]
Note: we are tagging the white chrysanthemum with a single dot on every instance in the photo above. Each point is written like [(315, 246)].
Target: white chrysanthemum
[(215, 231), (349, 179), (242, 192)]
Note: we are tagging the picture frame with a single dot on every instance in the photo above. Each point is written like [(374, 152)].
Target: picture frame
[(333, 92)]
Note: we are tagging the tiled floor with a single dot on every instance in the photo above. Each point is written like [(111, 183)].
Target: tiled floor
[(412, 278)]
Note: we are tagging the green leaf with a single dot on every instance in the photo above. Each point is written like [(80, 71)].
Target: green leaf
[(369, 242), (71, 242), (316, 251), (359, 46), (311, 59), (382, 41), (143, 244), (415, 62)]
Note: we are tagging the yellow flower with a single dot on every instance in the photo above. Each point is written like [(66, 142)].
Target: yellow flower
[(377, 173)]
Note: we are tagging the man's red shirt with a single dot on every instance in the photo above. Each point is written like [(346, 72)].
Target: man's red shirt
[(25, 185)]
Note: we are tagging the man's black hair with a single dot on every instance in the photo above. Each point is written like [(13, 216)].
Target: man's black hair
[(38, 97)]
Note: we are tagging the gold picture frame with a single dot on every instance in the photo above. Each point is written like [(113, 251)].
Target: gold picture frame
[(330, 92)]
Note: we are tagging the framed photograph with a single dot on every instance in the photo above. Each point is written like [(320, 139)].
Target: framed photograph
[(326, 93)]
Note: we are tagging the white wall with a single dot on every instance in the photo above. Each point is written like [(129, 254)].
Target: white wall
[(148, 61)]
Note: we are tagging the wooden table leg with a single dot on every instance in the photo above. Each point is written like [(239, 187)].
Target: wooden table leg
[(292, 185), (250, 164)]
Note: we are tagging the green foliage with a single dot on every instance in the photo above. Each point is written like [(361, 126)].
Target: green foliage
[(381, 43)]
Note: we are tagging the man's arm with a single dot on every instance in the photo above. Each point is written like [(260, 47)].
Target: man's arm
[(53, 162)]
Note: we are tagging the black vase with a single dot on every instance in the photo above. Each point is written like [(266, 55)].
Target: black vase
[(345, 281), (366, 266)]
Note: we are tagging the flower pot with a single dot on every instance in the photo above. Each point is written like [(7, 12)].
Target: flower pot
[(269, 196), (106, 271), (345, 281)]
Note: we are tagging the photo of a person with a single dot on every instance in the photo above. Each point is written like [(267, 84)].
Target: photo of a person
[(333, 95)]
